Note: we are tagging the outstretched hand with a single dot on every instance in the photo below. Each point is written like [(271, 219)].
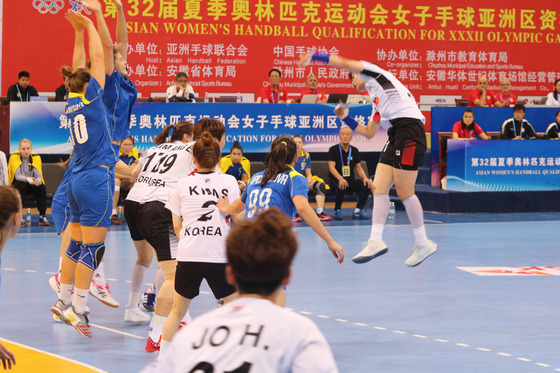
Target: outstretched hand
[(7, 357), (78, 21), (223, 204), (93, 5), (337, 252)]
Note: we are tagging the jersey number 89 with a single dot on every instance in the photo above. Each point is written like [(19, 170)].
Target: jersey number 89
[(258, 200)]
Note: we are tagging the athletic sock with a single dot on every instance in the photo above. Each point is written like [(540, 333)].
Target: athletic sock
[(319, 211), (66, 293), (133, 299), (99, 275), (80, 300), (114, 212), (59, 266), (356, 210), (414, 211), (381, 204), (137, 278), (156, 331), (420, 236)]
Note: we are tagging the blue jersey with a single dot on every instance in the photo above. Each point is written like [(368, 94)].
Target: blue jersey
[(89, 131), (277, 192), (119, 98), (236, 171), (128, 159), (303, 162)]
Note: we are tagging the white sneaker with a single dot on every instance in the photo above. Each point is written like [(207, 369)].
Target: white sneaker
[(133, 315), (54, 282), (421, 253), (370, 250), (103, 294)]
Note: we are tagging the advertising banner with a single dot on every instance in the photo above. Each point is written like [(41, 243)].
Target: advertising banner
[(255, 126), (503, 165), (230, 45)]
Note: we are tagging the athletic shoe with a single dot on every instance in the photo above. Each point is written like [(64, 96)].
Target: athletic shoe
[(152, 346), (43, 221), (25, 223), (59, 308), (79, 322), (133, 315), (103, 294), (57, 319), (297, 218), (323, 217), (115, 220), (360, 215), (370, 250), (54, 282), (148, 300), (338, 214), (421, 253)]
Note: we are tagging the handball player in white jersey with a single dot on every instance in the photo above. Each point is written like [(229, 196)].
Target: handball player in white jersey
[(251, 333), (161, 168), (202, 231), (401, 156)]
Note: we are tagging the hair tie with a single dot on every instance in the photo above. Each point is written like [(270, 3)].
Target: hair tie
[(284, 142)]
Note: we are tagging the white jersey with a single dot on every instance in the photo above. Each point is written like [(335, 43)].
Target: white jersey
[(389, 96), (204, 229), (248, 335), (163, 166)]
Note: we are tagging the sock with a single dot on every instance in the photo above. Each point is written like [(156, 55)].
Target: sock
[(356, 210), (137, 278), (99, 275), (414, 211), (420, 236), (159, 280), (163, 347), (319, 211), (377, 231), (133, 300), (158, 327), (381, 203), (59, 267), (80, 300), (114, 212), (66, 293)]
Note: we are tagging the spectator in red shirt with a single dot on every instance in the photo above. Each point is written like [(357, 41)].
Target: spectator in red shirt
[(311, 89), (480, 96), (466, 128), (274, 92), (505, 98)]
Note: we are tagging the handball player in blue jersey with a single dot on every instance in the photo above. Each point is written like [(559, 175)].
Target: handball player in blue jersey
[(119, 97), (90, 191), (279, 185)]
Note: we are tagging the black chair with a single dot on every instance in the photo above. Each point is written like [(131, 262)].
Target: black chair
[(461, 102), (442, 140)]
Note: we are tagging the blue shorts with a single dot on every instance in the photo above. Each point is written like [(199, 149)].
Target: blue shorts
[(61, 216), (90, 195)]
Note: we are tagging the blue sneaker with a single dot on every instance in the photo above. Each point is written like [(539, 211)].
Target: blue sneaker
[(148, 302), (337, 214), (360, 215)]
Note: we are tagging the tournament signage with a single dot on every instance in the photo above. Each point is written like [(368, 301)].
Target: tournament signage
[(230, 45), (255, 126)]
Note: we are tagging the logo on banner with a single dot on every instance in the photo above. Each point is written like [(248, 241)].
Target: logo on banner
[(48, 6), (513, 271), (77, 6)]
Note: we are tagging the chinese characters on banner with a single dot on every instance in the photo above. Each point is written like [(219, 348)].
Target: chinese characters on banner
[(230, 45)]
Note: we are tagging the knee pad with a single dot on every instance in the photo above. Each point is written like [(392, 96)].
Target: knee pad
[(91, 254), (320, 188), (73, 251)]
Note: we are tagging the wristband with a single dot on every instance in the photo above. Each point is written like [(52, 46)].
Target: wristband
[(321, 57), (29, 180), (340, 177), (350, 122)]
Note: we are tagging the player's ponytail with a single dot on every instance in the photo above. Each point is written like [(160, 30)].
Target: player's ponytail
[(282, 154), (206, 151), (179, 130)]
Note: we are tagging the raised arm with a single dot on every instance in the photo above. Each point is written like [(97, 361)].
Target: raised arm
[(79, 54), (104, 35), (122, 33), (353, 66), (95, 47)]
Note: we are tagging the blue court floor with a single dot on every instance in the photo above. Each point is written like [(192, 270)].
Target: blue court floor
[(487, 301)]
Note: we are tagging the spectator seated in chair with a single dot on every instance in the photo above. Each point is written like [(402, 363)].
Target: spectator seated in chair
[(129, 155), (181, 91), (25, 173)]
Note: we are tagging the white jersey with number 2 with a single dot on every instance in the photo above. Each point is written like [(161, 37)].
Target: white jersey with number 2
[(248, 335)]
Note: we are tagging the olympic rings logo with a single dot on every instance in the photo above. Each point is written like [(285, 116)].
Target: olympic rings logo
[(48, 6)]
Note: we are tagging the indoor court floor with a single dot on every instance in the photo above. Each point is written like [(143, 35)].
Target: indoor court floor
[(486, 301)]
